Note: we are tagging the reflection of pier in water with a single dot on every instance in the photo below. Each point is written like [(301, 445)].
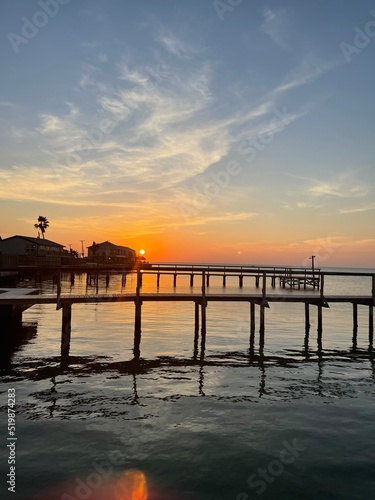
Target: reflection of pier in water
[(201, 300), (257, 381)]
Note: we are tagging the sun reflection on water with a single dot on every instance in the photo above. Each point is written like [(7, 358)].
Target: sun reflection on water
[(132, 485)]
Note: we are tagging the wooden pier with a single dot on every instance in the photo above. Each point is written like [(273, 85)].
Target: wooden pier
[(201, 300)]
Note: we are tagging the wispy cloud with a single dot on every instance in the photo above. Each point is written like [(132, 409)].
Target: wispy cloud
[(176, 46), (165, 131), (276, 26), (7, 104), (305, 73), (356, 210), (340, 189)]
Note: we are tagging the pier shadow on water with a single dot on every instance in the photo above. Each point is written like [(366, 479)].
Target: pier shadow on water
[(14, 337)]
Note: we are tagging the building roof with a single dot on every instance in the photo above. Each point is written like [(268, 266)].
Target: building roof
[(36, 241), (108, 244)]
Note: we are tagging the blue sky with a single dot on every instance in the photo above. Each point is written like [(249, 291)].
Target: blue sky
[(235, 131)]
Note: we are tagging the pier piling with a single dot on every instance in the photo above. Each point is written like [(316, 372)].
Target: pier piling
[(307, 316), (196, 329), (252, 326), (66, 330), (203, 313), (261, 328), (371, 324), (138, 317)]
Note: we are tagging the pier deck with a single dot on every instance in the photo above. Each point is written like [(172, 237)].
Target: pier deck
[(312, 298)]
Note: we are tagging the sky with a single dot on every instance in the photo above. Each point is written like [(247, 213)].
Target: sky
[(206, 131)]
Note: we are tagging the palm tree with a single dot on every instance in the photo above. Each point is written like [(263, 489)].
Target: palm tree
[(42, 225)]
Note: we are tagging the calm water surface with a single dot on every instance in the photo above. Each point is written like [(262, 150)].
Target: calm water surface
[(197, 430)]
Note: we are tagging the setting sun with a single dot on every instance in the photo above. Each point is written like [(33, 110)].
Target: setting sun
[(142, 252)]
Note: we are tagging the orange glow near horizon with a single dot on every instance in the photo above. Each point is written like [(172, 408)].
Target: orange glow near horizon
[(132, 485)]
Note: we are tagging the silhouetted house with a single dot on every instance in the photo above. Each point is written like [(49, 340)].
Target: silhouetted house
[(32, 251), (109, 253)]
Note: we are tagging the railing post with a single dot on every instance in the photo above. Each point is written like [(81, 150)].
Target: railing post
[(264, 286)]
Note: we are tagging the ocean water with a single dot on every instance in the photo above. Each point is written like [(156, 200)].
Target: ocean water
[(295, 424)]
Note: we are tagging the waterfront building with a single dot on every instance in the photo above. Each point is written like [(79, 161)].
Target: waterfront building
[(28, 250), (108, 252)]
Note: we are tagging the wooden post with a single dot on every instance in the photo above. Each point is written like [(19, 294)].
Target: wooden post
[(203, 314), (257, 281), (322, 287), (174, 280), (240, 281), (355, 318), (307, 317), (252, 327), (208, 279), (107, 280), (306, 342), (196, 329), (66, 330), (58, 303), (192, 280), (261, 329), (264, 285), (371, 324), (158, 280), (123, 279), (97, 282), (224, 280), (320, 325), (138, 317), (72, 279)]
